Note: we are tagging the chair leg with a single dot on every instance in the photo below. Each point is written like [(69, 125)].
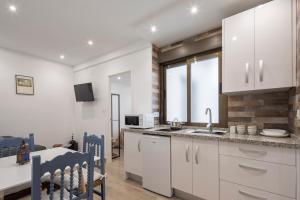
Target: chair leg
[(102, 192)]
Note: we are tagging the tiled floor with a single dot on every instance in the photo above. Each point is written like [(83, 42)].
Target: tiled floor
[(120, 189)]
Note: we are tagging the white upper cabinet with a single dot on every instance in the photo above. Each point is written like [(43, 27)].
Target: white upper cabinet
[(238, 43), (259, 48), (274, 45)]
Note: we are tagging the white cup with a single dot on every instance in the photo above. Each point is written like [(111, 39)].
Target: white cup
[(232, 129), (241, 129), (252, 130)]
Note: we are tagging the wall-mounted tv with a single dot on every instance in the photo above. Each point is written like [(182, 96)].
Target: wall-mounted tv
[(84, 92)]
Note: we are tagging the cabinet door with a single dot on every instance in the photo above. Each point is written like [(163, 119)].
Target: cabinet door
[(206, 169), (133, 153), (238, 52), (274, 45), (182, 167)]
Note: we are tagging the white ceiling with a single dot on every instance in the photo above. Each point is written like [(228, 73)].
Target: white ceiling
[(48, 28)]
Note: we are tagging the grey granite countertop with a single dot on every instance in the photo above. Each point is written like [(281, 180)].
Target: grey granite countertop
[(290, 142)]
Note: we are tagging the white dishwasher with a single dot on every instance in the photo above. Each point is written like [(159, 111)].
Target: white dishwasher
[(157, 164)]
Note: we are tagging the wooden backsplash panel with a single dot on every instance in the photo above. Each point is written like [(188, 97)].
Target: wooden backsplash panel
[(155, 83), (268, 110), (295, 96)]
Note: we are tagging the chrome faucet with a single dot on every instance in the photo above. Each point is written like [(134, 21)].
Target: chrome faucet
[(209, 125)]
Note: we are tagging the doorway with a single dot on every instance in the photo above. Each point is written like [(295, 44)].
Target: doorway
[(120, 87)]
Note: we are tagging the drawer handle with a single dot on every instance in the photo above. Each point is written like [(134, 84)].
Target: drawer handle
[(139, 146), (253, 151), (261, 70), (253, 168), (187, 150), (247, 73), (197, 155), (251, 195)]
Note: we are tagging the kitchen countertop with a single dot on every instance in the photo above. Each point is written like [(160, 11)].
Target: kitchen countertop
[(290, 142)]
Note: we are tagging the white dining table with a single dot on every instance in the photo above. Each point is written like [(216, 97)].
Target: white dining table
[(13, 175)]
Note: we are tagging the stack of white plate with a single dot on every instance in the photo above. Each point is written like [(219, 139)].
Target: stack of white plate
[(241, 129), (252, 130), (274, 133)]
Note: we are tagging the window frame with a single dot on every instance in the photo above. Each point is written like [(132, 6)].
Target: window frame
[(223, 118)]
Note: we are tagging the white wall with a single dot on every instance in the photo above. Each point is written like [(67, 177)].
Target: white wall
[(49, 114), (94, 117)]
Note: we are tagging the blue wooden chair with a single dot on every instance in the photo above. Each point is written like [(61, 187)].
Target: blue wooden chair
[(59, 166), (10, 146), (97, 142)]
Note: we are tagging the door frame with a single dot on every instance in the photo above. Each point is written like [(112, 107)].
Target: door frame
[(119, 124)]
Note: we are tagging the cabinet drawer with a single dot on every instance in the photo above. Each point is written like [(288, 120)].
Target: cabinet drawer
[(275, 178), (257, 152), (230, 191)]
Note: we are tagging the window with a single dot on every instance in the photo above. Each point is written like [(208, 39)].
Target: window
[(205, 90), (192, 86), (176, 92)]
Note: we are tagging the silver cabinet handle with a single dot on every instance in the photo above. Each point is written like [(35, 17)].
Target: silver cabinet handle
[(139, 146), (253, 168), (187, 150), (247, 72), (197, 155), (253, 151), (252, 195), (261, 70)]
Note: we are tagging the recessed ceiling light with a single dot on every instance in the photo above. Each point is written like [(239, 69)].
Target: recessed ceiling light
[(194, 9), (90, 42), (12, 8), (119, 77), (234, 38), (62, 57), (153, 29)]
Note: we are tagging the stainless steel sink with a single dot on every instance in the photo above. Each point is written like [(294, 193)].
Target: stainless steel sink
[(204, 131), (168, 129)]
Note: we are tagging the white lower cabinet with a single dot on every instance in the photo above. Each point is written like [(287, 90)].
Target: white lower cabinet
[(206, 169), (275, 178), (214, 170), (231, 191), (182, 164), (195, 168), (133, 157), (257, 172)]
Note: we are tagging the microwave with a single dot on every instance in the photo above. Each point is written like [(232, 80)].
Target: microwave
[(139, 120)]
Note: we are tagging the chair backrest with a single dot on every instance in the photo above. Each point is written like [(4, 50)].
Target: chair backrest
[(70, 163), (10, 146), (98, 143)]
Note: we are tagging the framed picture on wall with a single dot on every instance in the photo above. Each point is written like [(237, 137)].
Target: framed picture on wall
[(24, 85)]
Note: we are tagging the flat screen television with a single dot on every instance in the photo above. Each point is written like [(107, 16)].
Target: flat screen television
[(84, 92)]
